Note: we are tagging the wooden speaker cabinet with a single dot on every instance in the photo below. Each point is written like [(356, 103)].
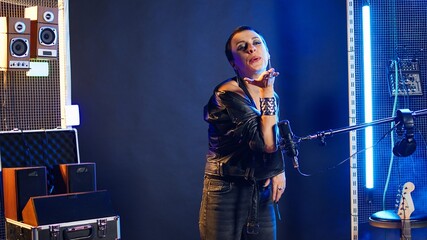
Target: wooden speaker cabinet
[(79, 177), (14, 43), (19, 185), (44, 31), (61, 208)]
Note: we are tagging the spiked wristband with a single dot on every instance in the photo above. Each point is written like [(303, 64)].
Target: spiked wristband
[(268, 106)]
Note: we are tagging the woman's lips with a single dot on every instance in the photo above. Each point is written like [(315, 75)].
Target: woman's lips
[(254, 59)]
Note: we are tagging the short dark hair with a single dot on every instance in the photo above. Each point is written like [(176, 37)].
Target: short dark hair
[(228, 53)]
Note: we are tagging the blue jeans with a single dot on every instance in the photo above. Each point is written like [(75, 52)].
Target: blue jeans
[(226, 207)]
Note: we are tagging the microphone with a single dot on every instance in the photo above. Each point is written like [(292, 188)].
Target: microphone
[(289, 147)]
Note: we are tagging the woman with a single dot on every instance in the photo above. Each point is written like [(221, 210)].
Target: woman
[(244, 173)]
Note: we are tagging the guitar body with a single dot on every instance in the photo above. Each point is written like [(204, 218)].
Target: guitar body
[(406, 208)]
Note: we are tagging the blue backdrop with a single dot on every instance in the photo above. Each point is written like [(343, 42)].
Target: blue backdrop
[(142, 72)]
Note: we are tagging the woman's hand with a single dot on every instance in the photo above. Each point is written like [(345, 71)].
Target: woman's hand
[(278, 184), (266, 79)]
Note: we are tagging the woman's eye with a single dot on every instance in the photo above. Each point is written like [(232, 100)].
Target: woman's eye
[(241, 47), (257, 42)]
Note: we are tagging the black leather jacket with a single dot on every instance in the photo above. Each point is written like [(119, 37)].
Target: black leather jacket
[(236, 145)]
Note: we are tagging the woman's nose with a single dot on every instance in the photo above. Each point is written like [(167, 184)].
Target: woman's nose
[(251, 48)]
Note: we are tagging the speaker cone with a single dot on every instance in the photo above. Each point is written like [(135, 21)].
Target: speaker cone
[(19, 47), (47, 36)]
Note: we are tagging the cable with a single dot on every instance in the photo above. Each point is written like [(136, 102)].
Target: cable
[(347, 159), (391, 135)]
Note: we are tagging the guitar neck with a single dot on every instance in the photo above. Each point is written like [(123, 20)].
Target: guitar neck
[(405, 233), (406, 207)]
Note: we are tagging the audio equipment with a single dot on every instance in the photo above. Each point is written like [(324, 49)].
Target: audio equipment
[(408, 77), (79, 177), (62, 208), (19, 184), (14, 43), (288, 145), (44, 31)]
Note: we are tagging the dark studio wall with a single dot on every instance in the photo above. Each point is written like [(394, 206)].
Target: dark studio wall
[(141, 74)]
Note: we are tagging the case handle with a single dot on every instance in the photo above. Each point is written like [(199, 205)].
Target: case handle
[(74, 233)]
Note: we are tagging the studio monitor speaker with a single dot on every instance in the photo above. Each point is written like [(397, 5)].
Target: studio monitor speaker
[(19, 185), (79, 177), (62, 208), (44, 31), (14, 43)]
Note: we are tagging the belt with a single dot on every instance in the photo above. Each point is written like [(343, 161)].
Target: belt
[(217, 168)]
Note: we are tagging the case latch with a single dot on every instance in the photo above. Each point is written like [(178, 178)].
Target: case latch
[(54, 232), (102, 228)]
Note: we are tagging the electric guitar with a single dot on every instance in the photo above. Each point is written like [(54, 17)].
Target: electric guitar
[(406, 207)]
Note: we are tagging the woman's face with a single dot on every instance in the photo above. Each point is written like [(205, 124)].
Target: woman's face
[(250, 54)]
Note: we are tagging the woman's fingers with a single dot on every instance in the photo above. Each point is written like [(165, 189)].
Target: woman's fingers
[(278, 185), (266, 79)]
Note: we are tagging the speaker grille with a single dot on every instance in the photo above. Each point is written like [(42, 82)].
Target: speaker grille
[(48, 36), (79, 177), (19, 47), (19, 185), (70, 207)]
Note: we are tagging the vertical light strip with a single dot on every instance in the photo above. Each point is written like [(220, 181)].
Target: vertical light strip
[(367, 70)]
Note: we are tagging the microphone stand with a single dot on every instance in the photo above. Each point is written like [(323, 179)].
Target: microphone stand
[(403, 116), (404, 119)]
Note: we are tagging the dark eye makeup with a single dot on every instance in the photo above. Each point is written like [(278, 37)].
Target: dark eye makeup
[(244, 46)]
